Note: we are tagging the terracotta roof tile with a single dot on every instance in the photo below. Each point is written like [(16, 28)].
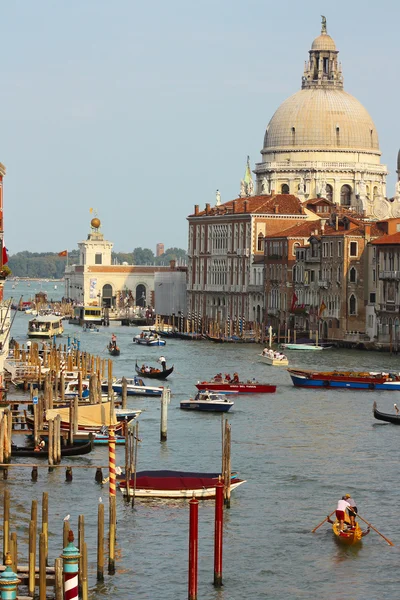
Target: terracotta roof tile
[(286, 204), (304, 229), (394, 238)]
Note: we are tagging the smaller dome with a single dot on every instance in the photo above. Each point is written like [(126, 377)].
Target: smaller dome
[(323, 42), (95, 223)]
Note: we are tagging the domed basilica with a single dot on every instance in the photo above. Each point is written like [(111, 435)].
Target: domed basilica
[(322, 142)]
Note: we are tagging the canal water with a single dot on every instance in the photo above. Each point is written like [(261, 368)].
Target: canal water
[(299, 451)]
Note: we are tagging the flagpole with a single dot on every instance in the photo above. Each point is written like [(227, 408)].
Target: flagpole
[(67, 258)]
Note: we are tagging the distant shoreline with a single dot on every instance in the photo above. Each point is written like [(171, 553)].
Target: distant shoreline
[(32, 279)]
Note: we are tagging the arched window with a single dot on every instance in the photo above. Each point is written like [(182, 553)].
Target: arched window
[(345, 195), (375, 192), (353, 275), (284, 188), (352, 305), (107, 295), (296, 245), (329, 192), (141, 295), (260, 242)]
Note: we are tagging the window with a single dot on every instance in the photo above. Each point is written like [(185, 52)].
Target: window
[(339, 249), (353, 275), (295, 246), (353, 248), (260, 242), (331, 249), (312, 275), (345, 195), (284, 188), (329, 195), (98, 259), (352, 305), (325, 249), (374, 275), (372, 298)]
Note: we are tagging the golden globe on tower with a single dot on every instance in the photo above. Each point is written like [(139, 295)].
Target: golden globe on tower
[(95, 223)]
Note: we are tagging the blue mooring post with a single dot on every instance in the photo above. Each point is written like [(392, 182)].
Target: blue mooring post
[(8, 581), (69, 343), (78, 344), (71, 556), (54, 340)]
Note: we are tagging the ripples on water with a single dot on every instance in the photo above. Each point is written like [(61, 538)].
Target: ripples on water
[(298, 450)]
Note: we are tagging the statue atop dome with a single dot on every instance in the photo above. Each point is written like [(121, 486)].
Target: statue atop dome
[(323, 24)]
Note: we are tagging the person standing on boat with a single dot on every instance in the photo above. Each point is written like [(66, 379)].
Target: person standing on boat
[(163, 362), (352, 510), (340, 511), (114, 340)]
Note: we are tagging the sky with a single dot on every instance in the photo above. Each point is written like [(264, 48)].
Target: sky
[(140, 110)]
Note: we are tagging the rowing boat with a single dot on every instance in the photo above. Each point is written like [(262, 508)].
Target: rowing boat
[(348, 536)]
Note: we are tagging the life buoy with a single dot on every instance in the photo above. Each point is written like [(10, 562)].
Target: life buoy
[(326, 383), (371, 386)]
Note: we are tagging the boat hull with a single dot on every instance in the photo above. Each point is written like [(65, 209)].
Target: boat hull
[(388, 418), (313, 380), (274, 362), (155, 374), (348, 537), (206, 406), (138, 390), (144, 342), (174, 487), (237, 388), (303, 347), (74, 450)]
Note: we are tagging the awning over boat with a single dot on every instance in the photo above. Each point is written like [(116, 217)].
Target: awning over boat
[(94, 414)]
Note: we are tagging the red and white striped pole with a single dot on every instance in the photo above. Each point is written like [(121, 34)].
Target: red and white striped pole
[(193, 547), (71, 556), (112, 504)]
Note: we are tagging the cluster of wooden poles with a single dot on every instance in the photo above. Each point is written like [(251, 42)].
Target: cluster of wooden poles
[(5, 435), (230, 327)]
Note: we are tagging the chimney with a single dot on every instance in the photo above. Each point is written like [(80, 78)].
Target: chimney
[(367, 231), (207, 209), (276, 207), (337, 223), (323, 221), (172, 264), (246, 205), (234, 206), (196, 209)]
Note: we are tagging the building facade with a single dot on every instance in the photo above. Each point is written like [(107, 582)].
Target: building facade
[(96, 281)]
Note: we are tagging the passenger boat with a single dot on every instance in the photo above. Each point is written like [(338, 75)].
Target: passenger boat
[(174, 484), (271, 359), (153, 373), (74, 450), (134, 387), (113, 350), (88, 314), (387, 417), (146, 339), (357, 380), (225, 386), (45, 327), (207, 401), (348, 536), (90, 328)]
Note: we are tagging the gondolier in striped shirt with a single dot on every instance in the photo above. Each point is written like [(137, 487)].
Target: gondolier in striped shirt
[(163, 362)]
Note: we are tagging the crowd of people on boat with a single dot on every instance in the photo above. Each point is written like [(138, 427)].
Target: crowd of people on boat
[(227, 378), (147, 369), (274, 354)]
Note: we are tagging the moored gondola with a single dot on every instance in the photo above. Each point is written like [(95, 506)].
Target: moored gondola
[(153, 373), (74, 450)]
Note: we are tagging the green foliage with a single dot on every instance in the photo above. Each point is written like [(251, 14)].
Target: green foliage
[(41, 265), (143, 256)]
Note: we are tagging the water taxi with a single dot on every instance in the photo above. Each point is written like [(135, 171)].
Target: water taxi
[(45, 327), (88, 314)]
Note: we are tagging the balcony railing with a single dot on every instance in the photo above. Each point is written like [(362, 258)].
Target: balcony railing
[(389, 275), (323, 283)]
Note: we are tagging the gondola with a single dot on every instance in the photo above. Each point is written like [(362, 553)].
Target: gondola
[(385, 416), (113, 350), (349, 536), (74, 450), (155, 374)]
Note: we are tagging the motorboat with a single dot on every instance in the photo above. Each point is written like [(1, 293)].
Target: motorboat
[(47, 326), (69, 450), (149, 339), (208, 401), (134, 387), (275, 359), (174, 484), (235, 386), (126, 414)]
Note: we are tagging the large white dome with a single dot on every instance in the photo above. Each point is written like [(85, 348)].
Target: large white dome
[(321, 119)]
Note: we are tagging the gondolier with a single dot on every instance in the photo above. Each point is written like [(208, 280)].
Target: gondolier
[(163, 362)]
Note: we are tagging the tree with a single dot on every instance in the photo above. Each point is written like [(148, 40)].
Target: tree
[(143, 256)]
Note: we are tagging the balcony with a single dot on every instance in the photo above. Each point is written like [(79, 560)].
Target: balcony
[(313, 259), (323, 283), (256, 289), (390, 275), (389, 307)]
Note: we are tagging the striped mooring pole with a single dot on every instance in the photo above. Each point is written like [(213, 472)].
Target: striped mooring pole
[(71, 556), (8, 581), (193, 547), (112, 501)]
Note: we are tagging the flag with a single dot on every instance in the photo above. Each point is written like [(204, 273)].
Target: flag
[(90, 210), (4, 258), (322, 308), (294, 301), (63, 253)]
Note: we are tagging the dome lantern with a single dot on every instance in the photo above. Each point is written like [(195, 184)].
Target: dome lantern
[(322, 68)]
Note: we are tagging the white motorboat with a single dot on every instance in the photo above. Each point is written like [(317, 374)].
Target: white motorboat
[(274, 360), (208, 401)]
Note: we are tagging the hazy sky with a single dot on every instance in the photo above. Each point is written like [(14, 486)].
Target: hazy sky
[(143, 109)]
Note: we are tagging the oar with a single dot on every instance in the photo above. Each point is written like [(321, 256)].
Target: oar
[(322, 522), (378, 532)]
